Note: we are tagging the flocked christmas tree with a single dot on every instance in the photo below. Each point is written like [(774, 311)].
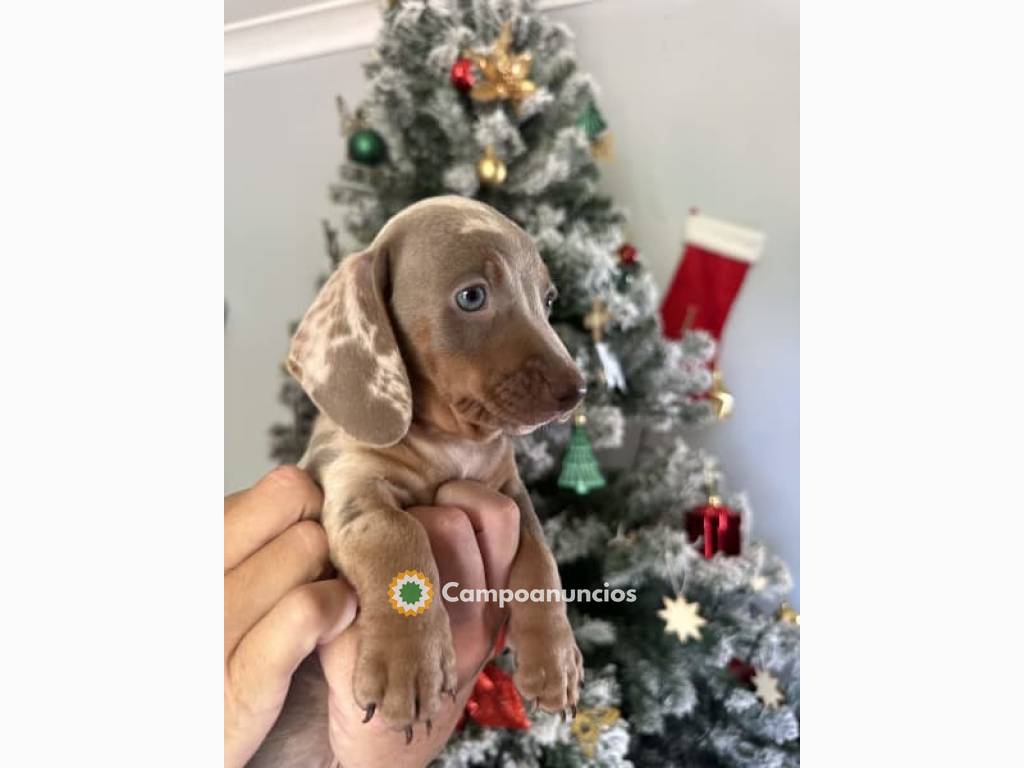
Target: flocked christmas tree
[(483, 98)]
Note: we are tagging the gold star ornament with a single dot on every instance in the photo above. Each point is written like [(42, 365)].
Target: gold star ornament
[(505, 74), (682, 617)]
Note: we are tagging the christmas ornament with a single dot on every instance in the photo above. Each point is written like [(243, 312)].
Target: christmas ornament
[(788, 614), (682, 617), (367, 147), (495, 702), (742, 671), (580, 470), (589, 723), (611, 369), (591, 121), (715, 261), (717, 524), (721, 398), (767, 689), (462, 75), (628, 254), (491, 168), (505, 74)]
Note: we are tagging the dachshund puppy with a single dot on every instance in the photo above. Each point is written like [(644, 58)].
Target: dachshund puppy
[(424, 352)]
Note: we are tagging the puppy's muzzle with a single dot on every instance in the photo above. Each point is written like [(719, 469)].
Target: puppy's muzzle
[(566, 389)]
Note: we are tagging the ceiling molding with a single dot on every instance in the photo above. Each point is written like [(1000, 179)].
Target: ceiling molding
[(311, 30)]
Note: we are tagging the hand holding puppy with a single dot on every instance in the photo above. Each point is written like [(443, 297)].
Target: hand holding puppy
[(277, 612)]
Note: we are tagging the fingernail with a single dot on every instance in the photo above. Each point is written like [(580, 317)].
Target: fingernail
[(369, 712)]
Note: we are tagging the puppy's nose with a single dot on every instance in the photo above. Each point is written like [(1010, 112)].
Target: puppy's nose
[(569, 392)]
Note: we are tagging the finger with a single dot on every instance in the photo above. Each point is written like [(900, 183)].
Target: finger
[(251, 590), (260, 669), (457, 554), (256, 515), (495, 521)]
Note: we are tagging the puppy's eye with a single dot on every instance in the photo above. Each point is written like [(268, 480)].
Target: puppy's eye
[(549, 300), (472, 298)]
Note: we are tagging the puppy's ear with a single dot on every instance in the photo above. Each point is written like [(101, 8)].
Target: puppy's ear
[(345, 356)]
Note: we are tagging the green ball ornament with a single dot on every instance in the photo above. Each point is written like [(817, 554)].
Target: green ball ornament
[(367, 147)]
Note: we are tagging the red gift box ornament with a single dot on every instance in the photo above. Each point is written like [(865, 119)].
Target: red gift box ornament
[(716, 523), (495, 702)]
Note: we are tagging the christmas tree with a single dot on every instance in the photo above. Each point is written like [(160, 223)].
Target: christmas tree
[(483, 98)]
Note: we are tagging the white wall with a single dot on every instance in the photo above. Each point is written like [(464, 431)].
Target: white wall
[(703, 99)]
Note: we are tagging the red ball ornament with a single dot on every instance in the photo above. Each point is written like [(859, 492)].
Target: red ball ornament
[(463, 77), (627, 254)]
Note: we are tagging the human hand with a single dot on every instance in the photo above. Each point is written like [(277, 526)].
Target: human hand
[(474, 535), (275, 610)]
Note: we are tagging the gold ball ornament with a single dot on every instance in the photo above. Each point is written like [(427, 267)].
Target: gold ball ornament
[(491, 169)]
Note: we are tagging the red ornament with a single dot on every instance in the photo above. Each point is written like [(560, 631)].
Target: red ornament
[(463, 77), (627, 254), (742, 671), (495, 702), (717, 524)]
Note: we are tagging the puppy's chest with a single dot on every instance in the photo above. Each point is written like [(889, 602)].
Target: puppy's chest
[(441, 461), (414, 468)]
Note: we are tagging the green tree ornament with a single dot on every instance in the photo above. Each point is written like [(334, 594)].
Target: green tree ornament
[(591, 121), (580, 470)]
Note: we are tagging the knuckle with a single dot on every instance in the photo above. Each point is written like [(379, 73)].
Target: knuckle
[(292, 481), (451, 522), (310, 536), (507, 508), (305, 608)]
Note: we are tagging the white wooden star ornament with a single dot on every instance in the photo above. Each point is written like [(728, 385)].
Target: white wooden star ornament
[(682, 617), (767, 688)]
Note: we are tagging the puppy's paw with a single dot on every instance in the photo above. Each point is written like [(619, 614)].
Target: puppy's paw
[(549, 665), (403, 668)]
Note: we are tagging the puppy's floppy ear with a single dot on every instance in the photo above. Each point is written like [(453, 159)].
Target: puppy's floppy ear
[(345, 356)]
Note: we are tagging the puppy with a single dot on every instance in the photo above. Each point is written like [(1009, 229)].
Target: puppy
[(424, 352)]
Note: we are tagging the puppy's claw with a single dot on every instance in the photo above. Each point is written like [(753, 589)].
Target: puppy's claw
[(370, 709), (563, 715), (451, 692), (430, 726), (408, 734), (573, 711)]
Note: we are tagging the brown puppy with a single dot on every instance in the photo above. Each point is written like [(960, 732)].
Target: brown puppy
[(423, 353)]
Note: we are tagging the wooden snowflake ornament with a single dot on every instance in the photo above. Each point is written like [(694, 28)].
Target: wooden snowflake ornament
[(682, 617), (767, 688)]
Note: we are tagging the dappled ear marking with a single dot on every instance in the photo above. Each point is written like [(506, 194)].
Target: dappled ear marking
[(345, 356)]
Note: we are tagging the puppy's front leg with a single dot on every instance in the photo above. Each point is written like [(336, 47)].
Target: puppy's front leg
[(403, 662), (549, 665)]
